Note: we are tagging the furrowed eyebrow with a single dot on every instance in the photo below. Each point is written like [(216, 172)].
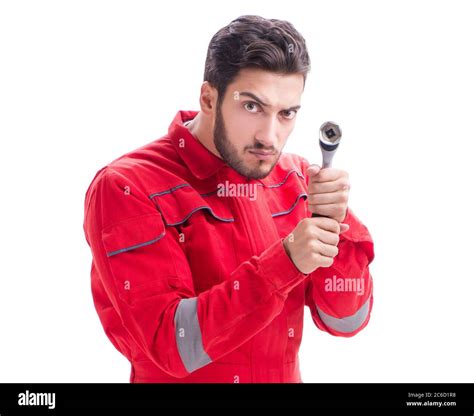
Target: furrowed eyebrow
[(254, 97), (258, 100), (296, 107)]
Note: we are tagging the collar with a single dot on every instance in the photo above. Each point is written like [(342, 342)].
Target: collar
[(200, 161)]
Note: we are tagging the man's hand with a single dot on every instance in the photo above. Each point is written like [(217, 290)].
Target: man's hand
[(328, 192), (313, 243)]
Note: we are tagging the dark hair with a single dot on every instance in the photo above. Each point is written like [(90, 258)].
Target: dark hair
[(254, 42)]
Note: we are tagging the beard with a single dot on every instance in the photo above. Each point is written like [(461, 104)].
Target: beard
[(230, 154)]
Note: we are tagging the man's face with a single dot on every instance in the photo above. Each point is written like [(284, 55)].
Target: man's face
[(255, 118)]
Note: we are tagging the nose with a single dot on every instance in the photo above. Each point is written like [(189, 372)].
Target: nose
[(267, 134)]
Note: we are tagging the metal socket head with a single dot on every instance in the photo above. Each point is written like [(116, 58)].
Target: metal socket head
[(330, 133)]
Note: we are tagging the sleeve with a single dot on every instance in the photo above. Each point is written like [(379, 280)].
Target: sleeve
[(143, 269), (340, 297)]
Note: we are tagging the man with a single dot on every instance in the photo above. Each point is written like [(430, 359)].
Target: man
[(204, 248)]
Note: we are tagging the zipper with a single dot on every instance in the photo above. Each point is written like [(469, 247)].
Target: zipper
[(245, 221)]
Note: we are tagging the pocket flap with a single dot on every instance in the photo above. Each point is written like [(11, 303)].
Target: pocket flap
[(284, 197), (179, 203), (133, 234)]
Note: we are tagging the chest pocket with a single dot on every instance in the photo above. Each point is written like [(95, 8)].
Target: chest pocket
[(287, 202), (204, 225)]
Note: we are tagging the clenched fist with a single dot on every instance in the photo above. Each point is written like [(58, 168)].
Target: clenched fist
[(328, 192), (313, 243)]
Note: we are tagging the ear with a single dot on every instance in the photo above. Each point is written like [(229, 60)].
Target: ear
[(208, 98)]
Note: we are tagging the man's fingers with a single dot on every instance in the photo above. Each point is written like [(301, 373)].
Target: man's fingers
[(329, 210), (341, 184), (328, 198), (344, 228), (324, 261), (327, 224), (329, 175), (312, 171), (327, 250), (328, 237)]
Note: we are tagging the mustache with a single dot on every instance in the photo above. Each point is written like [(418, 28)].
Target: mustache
[(260, 147)]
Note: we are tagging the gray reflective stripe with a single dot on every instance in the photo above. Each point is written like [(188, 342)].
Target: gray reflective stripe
[(146, 243), (349, 323), (277, 214), (197, 209), (286, 178), (188, 335), (168, 191)]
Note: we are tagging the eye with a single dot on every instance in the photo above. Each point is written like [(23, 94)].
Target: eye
[(289, 114), (251, 107)]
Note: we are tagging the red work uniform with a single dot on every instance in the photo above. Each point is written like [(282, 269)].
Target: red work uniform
[(193, 284)]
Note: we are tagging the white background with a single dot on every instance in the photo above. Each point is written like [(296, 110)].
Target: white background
[(82, 82)]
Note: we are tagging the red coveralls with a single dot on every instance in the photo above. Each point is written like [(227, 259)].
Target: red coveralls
[(192, 286)]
